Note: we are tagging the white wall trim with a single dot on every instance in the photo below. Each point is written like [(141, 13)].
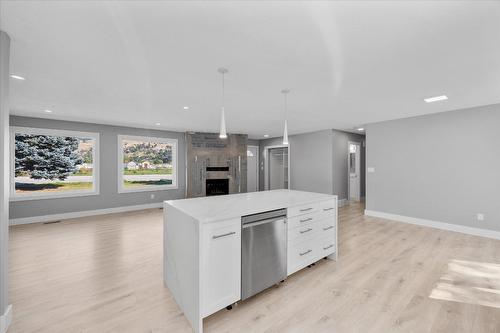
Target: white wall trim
[(85, 213), (6, 319), (435, 224)]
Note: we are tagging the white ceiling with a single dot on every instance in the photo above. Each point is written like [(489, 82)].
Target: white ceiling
[(347, 63)]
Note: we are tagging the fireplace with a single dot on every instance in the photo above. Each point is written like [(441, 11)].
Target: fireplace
[(217, 186), (215, 166)]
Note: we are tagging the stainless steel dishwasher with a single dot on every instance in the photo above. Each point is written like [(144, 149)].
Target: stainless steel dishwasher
[(263, 251)]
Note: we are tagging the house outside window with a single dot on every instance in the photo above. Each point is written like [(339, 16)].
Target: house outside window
[(146, 164)]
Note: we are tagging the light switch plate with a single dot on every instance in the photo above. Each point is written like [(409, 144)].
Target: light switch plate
[(371, 169)]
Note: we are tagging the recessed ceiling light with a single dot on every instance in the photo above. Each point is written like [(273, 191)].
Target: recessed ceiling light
[(47, 111), (157, 124), (436, 99), (361, 129), (185, 107), (17, 77), (266, 135)]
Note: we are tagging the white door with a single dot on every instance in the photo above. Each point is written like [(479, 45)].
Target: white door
[(252, 168), (354, 171)]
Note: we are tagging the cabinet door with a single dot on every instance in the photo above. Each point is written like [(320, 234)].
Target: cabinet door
[(221, 265)]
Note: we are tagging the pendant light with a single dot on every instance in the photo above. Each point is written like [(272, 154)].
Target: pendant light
[(285, 131), (222, 132)]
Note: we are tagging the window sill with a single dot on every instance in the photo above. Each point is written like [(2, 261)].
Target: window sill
[(53, 196), (148, 189)]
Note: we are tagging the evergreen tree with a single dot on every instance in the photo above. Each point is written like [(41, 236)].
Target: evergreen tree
[(46, 157)]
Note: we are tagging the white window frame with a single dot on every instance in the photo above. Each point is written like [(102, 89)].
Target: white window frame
[(173, 142), (53, 132)]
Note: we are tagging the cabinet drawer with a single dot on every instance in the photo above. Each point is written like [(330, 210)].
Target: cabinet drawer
[(302, 220), (303, 233), (327, 228), (326, 246), (301, 255), (328, 208), (303, 209)]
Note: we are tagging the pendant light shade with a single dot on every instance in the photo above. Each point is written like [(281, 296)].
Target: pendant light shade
[(222, 131), (285, 134), (285, 130)]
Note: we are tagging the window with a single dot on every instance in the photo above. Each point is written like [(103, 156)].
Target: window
[(49, 163), (146, 164)]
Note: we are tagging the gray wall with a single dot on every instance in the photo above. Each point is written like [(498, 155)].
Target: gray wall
[(4, 167), (109, 196), (311, 162), (253, 142), (443, 167), (318, 161), (340, 159)]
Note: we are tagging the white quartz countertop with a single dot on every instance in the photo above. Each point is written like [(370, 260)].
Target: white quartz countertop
[(217, 208)]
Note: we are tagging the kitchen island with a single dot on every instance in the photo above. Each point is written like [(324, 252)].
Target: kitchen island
[(202, 243)]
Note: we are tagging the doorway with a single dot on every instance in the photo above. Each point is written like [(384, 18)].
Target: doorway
[(252, 168), (354, 171), (276, 168)]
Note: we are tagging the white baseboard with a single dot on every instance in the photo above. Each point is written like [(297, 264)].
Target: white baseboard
[(435, 224), (6, 319), (85, 213)]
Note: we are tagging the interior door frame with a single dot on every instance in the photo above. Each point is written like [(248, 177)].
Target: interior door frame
[(257, 166), (349, 174), (266, 164)]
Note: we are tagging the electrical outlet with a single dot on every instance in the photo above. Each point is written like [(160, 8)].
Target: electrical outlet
[(480, 217), (152, 196)]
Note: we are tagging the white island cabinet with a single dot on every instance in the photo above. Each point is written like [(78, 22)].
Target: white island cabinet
[(202, 243)]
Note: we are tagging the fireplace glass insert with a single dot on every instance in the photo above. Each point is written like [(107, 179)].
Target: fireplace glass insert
[(217, 186)]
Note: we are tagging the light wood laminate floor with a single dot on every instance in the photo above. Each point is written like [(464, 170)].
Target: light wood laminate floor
[(104, 274)]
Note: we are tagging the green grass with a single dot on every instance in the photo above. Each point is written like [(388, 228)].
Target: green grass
[(52, 187), (143, 183), (83, 172), (162, 171)]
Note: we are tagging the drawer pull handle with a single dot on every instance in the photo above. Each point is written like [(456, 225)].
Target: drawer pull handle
[(305, 220), (304, 231), (328, 228), (224, 235), (304, 253), (305, 209), (328, 247), (327, 209)]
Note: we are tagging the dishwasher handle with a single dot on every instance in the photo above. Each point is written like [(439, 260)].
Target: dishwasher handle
[(256, 223)]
